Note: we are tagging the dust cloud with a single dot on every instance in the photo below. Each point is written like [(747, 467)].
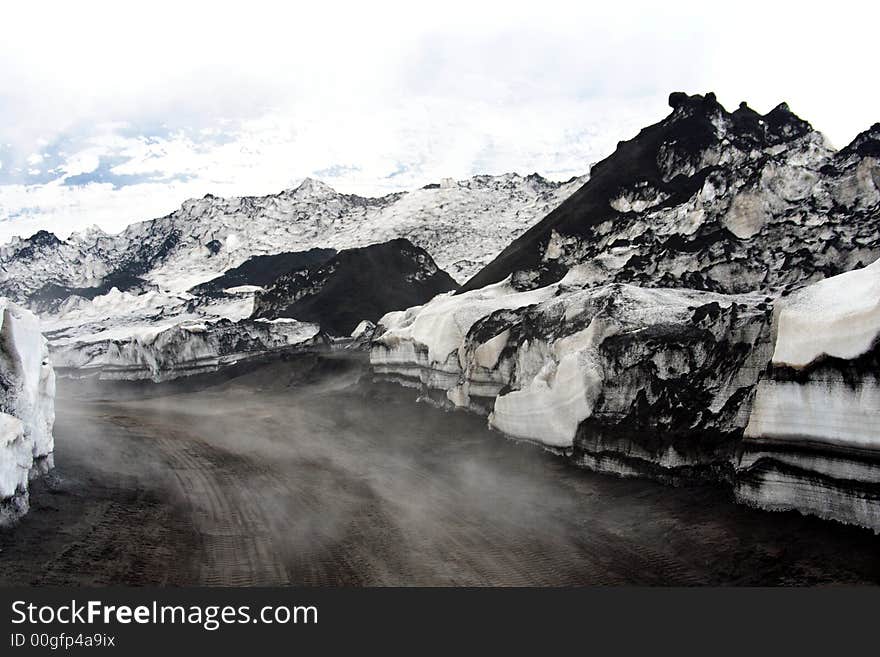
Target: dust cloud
[(306, 472)]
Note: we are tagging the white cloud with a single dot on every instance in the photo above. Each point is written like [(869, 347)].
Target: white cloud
[(419, 142), (178, 99)]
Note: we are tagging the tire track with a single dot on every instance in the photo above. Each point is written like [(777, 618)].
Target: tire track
[(236, 537)]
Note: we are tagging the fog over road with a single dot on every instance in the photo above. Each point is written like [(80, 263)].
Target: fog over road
[(297, 473)]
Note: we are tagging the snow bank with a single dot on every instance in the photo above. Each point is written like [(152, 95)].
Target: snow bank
[(668, 383), (813, 438), (827, 411), (552, 405), (839, 317), (27, 406), (542, 363), (182, 350), (441, 325)]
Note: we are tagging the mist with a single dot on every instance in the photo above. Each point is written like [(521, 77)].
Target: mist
[(305, 472)]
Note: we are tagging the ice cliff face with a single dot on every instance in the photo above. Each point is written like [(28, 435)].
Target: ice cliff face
[(813, 438), (779, 398), (672, 319), (613, 375), (184, 349), (27, 407)]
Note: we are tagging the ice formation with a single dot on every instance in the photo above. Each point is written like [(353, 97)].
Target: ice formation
[(838, 317), (704, 306), (27, 407), (183, 349), (700, 308), (813, 438), (647, 370), (214, 256)]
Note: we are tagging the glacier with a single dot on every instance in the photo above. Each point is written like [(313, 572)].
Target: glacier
[(216, 259), (27, 407), (184, 349), (705, 307), (590, 371), (777, 398), (813, 438)]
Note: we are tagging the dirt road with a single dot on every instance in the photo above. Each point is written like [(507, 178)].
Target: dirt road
[(295, 474)]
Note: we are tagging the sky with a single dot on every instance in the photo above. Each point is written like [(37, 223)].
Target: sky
[(117, 112)]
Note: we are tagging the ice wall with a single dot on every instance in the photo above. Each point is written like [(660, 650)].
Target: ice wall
[(813, 439), (27, 407)]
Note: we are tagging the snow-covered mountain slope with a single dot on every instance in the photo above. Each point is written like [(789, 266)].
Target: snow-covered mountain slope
[(27, 407), (355, 285), (206, 261), (813, 439), (462, 224), (161, 335), (712, 200)]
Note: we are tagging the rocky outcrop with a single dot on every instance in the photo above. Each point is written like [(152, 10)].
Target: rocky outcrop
[(711, 200), (463, 224), (355, 285), (813, 438), (27, 407), (184, 350)]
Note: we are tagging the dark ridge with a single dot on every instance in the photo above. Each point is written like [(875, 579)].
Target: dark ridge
[(354, 285), (782, 123), (262, 270), (44, 238), (52, 292), (682, 136), (865, 144), (40, 239), (146, 256)]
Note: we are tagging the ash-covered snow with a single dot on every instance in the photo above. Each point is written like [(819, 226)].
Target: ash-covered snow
[(210, 259), (701, 307), (462, 225), (813, 438), (541, 362), (439, 327), (27, 406), (183, 349), (355, 285), (712, 200)]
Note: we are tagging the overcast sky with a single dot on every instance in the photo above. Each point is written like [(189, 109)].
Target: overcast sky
[(115, 112)]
